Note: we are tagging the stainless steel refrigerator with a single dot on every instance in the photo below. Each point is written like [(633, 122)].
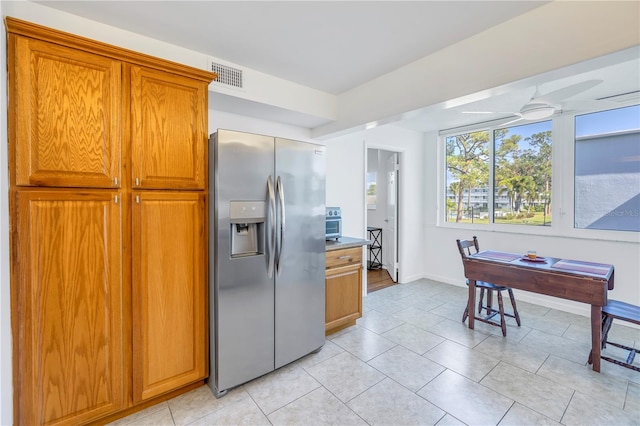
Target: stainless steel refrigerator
[(267, 254)]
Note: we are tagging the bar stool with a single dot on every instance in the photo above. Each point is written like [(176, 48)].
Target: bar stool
[(615, 309), (464, 247)]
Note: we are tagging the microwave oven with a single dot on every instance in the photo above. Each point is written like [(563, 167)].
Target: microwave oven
[(333, 223)]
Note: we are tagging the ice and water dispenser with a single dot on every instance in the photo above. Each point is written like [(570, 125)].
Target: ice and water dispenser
[(247, 227)]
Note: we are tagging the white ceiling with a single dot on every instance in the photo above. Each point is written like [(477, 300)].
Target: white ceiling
[(334, 46), (331, 46)]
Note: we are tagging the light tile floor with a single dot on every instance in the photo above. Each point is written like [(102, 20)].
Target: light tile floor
[(411, 361)]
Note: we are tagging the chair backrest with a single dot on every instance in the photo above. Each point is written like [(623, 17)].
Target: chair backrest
[(464, 246)]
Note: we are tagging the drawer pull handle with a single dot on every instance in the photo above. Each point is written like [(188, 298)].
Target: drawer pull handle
[(344, 257)]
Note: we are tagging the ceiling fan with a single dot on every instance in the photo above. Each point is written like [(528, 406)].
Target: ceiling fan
[(545, 105)]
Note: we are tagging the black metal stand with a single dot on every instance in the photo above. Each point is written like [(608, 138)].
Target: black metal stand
[(375, 248)]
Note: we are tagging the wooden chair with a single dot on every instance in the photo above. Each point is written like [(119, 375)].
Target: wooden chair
[(465, 248), (624, 312)]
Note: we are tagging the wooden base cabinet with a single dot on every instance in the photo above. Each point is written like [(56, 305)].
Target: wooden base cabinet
[(343, 305), (108, 190)]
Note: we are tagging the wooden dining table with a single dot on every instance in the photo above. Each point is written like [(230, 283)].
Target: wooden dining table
[(585, 282)]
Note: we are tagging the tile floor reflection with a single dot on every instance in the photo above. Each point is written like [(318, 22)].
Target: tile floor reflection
[(411, 361)]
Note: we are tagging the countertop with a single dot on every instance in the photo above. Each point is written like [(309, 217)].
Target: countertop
[(346, 242)]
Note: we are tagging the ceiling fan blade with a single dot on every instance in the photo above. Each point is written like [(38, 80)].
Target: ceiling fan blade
[(512, 121), (559, 95), (487, 112)]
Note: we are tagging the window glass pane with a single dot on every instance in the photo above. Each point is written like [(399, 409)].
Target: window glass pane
[(522, 174), (372, 178), (467, 180), (607, 170)]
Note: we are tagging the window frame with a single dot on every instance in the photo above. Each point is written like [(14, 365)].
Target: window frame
[(562, 181), (568, 202), (490, 127)]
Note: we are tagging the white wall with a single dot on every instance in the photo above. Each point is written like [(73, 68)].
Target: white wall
[(241, 123), (346, 188), (6, 400), (345, 181)]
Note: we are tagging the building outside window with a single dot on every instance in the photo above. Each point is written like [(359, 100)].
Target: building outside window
[(607, 170)]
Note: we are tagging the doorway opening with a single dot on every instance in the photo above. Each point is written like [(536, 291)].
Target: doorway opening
[(382, 195)]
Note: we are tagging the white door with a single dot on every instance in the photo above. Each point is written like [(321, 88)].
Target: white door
[(390, 234)]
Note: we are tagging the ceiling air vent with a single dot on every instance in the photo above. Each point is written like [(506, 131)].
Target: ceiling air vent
[(228, 76)]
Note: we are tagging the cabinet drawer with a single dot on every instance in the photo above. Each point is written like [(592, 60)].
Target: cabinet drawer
[(344, 257)]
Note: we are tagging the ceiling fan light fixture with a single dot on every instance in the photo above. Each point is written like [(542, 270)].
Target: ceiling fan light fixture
[(537, 111)]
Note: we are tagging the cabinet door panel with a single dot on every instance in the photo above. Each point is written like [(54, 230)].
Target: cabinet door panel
[(67, 116), (169, 134), (169, 290), (69, 306), (343, 296)]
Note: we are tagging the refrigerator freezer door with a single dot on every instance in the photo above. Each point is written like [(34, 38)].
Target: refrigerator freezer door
[(300, 286), (243, 293)]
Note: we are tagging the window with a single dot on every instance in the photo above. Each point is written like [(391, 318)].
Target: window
[(522, 174), (607, 170), (467, 177), (519, 160)]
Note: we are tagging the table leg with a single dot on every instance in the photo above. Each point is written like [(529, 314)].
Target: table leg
[(596, 335), (472, 302)]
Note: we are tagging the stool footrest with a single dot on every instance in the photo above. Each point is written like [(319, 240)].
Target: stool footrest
[(622, 311), (632, 351), (623, 364)]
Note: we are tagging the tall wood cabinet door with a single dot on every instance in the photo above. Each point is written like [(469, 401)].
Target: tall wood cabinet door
[(65, 116), (168, 130), (68, 295), (169, 292)]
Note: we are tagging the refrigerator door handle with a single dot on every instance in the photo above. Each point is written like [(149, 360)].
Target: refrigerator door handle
[(271, 233), (282, 225)]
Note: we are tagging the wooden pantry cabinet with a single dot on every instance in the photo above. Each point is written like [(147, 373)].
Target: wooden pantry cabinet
[(343, 288), (108, 190)]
